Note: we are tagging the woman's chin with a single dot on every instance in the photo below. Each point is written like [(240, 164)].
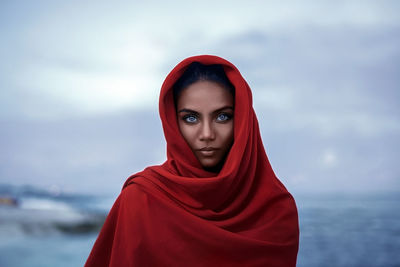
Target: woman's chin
[(211, 166)]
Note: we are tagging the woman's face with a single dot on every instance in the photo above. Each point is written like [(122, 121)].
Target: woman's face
[(205, 118)]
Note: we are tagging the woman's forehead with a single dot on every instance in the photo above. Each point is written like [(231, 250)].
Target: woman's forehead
[(205, 94)]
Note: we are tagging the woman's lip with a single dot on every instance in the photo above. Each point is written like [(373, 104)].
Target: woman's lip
[(207, 151)]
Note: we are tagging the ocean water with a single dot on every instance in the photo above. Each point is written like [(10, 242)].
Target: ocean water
[(349, 230), (41, 228)]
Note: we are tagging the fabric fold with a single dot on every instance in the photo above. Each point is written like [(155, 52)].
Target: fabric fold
[(178, 214)]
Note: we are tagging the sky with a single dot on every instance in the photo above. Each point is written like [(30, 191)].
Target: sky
[(79, 86)]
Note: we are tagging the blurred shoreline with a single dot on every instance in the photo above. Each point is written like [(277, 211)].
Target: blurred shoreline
[(33, 211)]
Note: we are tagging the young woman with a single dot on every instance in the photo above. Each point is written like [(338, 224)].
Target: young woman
[(216, 200)]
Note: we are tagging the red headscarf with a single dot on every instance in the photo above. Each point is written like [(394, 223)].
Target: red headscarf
[(178, 214)]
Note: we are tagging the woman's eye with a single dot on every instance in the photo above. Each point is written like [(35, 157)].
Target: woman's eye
[(190, 119), (223, 117)]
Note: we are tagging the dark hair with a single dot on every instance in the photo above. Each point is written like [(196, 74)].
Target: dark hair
[(199, 72)]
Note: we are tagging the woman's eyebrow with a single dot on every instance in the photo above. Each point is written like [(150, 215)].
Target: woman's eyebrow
[(195, 112), (223, 108), (188, 111)]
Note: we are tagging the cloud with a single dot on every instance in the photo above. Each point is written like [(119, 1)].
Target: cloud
[(100, 57), (78, 80), (329, 79), (86, 154)]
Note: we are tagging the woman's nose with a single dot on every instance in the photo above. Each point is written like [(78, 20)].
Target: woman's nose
[(207, 131)]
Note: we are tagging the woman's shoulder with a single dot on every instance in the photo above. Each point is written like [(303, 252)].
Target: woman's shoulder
[(141, 192), (132, 191)]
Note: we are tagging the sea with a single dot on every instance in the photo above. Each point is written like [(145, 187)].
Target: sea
[(40, 228)]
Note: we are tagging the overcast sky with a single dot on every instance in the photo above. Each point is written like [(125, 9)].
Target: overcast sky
[(79, 85)]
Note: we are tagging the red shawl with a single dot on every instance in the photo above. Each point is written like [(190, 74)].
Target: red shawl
[(178, 214)]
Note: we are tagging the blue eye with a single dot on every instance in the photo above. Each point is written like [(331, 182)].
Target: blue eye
[(223, 117), (190, 119)]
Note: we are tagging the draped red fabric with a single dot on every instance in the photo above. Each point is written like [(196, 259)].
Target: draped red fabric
[(178, 214)]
